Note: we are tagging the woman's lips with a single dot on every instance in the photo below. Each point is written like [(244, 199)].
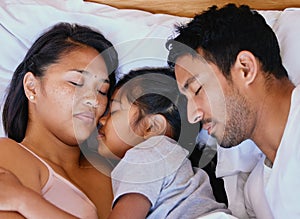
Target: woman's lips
[(87, 117)]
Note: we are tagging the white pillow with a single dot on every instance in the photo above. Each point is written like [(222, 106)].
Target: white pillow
[(138, 36), (287, 30)]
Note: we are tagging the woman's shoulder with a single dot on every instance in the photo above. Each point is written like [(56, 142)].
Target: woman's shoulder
[(12, 152), (10, 148), (7, 146), (21, 162)]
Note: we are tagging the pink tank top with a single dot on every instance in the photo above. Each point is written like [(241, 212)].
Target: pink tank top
[(66, 195)]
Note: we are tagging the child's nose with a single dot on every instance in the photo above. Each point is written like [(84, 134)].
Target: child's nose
[(103, 119)]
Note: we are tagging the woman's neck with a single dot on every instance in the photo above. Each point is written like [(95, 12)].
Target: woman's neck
[(53, 151)]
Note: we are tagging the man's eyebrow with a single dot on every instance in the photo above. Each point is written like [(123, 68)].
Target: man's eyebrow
[(105, 80), (188, 82)]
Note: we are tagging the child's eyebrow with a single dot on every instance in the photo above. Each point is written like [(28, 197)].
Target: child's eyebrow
[(115, 100)]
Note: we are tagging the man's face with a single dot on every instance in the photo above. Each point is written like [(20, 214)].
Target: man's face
[(214, 100)]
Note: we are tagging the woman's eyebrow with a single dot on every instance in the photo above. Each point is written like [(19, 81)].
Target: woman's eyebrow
[(105, 80)]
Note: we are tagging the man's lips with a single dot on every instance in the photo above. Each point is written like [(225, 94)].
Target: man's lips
[(208, 126)]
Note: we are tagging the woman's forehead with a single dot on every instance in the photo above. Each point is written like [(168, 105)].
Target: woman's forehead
[(83, 60)]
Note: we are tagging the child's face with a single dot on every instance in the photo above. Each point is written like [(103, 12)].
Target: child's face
[(119, 133)]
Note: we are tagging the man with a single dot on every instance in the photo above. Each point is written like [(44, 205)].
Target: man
[(227, 63)]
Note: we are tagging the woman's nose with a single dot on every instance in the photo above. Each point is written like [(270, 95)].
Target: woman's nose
[(92, 101)]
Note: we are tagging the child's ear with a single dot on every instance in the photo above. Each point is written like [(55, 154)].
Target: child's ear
[(156, 125), (30, 85)]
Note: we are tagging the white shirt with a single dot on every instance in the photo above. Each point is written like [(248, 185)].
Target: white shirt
[(255, 198), (234, 166), (283, 188)]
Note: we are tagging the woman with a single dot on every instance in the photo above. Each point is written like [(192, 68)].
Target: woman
[(56, 96)]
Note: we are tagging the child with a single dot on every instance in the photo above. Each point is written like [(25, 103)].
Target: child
[(154, 178)]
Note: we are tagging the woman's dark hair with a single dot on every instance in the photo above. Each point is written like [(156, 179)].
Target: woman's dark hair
[(221, 33), (47, 50), (154, 91)]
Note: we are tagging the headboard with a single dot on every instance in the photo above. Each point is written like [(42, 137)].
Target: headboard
[(188, 8)]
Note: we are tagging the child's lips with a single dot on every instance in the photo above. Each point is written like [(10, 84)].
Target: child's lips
[(100, 134)]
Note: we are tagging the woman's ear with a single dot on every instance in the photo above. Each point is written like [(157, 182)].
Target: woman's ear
[(247, 66), (156, 125), (30, 84)]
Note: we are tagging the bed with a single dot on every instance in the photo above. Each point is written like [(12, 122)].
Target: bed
[(138, 29), (131, 26)]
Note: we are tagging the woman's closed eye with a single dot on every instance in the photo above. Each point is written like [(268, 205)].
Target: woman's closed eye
[(103, 92), (103, 89), (76, 83)]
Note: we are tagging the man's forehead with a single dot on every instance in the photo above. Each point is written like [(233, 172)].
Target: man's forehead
[(190, 68), (192, 64)]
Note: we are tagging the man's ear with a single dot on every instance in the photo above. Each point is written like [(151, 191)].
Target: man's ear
[(30, 85), (156, 125), (247, 66)]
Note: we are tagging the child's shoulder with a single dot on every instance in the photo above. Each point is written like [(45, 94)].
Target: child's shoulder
[(156, 146)]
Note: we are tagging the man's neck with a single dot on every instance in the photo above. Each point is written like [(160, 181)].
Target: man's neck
[(272, 117)]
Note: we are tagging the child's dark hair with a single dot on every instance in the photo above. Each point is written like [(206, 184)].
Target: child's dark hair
[(154, 91), (47, 50)]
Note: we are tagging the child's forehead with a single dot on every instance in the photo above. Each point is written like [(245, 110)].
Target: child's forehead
[(116, 95), (127, 92), (119, 97)]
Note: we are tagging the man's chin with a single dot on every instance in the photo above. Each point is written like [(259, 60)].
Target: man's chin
[(229, 143)]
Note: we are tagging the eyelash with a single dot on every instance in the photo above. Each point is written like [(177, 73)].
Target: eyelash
[(197, 91), (80, 85), (113, 112), (76, 84), (102, 93)]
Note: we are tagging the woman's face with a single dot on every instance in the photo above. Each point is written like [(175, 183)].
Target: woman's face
[(73, 95)]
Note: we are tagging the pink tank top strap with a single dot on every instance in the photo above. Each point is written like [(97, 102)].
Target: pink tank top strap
[(64, 194), (40, 159)]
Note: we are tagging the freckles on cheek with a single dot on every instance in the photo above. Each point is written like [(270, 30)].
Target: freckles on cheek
[(61, 96)]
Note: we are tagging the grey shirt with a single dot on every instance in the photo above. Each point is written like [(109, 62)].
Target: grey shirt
[(158, 168)]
